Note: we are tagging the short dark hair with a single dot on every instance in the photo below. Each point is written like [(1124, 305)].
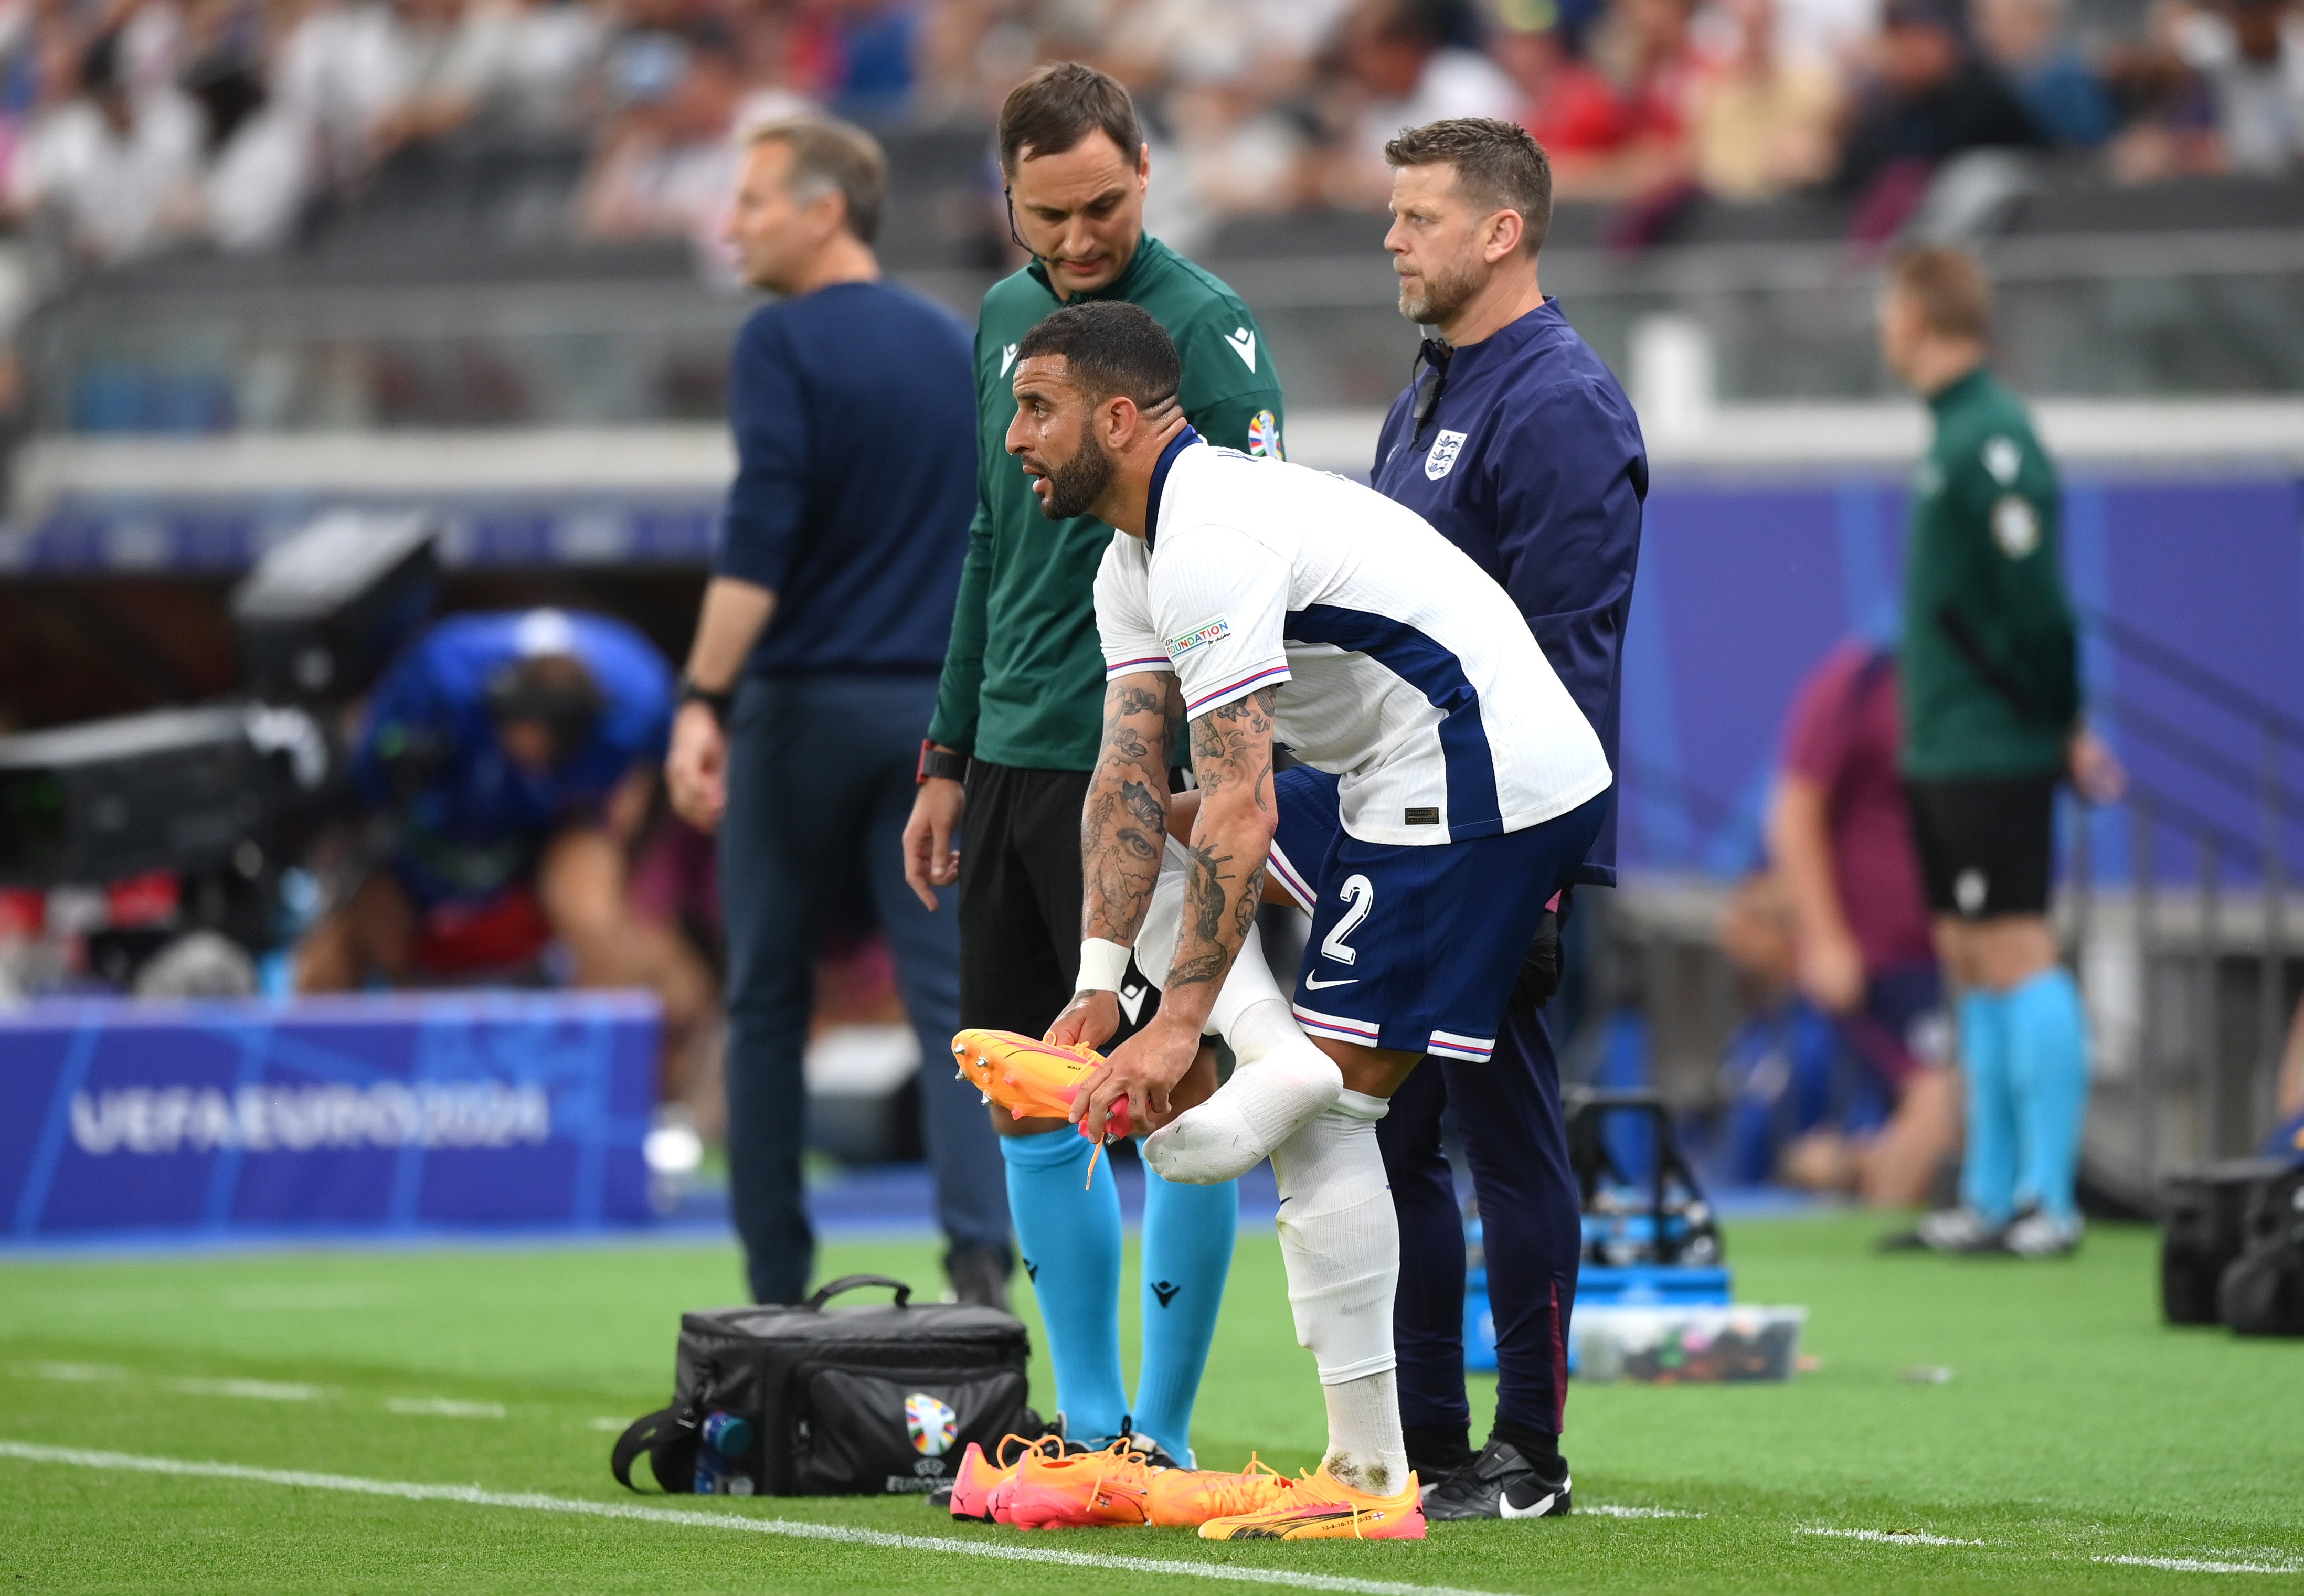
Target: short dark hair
[(828, 153), (1062, 103), (1498, 166), (1109, 347), (1953, 295)]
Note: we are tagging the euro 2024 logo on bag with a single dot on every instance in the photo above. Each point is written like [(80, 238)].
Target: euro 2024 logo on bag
[(932, 1424)]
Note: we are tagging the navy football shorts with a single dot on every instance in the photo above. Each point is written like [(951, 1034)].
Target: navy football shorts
[(1415, 949)]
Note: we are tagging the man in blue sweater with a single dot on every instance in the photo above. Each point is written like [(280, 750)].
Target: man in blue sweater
[(814, 665), (1515, 442)]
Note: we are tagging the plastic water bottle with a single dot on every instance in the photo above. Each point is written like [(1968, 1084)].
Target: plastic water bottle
[(727, 1441)]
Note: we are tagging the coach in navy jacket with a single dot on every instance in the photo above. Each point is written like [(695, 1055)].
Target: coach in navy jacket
[(1517, 443)]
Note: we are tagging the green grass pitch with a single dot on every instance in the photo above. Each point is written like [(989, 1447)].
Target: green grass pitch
[(2075, 1432)]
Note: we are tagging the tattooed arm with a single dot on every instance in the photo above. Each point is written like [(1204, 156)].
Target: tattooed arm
[(1232, 759), (1125, 819), (1123, 827)]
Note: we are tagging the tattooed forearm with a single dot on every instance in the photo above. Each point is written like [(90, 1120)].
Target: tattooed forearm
[(1231, 761), (1123, 824)]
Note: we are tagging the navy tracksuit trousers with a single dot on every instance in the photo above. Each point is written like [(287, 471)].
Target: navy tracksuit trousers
[(1507, 1112)]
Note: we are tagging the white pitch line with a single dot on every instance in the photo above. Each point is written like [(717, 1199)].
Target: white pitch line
[(1611, 1510), (1888, 1537), (445, 1407), (798, 1529), (254, 1390), (2200, 1566)]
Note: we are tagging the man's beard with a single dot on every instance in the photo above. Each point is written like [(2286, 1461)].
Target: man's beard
[(1444, 293), (1075, 486)]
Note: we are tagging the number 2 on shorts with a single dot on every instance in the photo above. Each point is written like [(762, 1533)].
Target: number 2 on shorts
[(1358, 894)]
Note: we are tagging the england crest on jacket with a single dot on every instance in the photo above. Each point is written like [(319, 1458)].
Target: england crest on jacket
[(932, 1424), (1443, 458)]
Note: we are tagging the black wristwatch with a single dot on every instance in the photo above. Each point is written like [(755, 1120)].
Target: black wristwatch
[(717, 703), (940, 762)]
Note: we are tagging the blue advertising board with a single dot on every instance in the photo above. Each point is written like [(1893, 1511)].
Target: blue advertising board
[(404, 1113)]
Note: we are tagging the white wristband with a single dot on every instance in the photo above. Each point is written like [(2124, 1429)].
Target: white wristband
[(1102, 965)]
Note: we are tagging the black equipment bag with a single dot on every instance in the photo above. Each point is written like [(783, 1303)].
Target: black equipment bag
[(2262, 1293), (2205, 1227), (854, 1401)]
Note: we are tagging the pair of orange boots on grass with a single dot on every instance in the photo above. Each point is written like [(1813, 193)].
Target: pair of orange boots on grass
[(1047, 1487)]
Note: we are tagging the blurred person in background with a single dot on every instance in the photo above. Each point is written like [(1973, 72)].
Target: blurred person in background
[(665, 167), (1989, 672), (1407, 63), (1840, 839), (118, 170), (1930, 96), (1567, 106), (2251, 55), (2026, 41), (815, 666), (1018, 723), (513, 756), (1647, 49), (1764, 117), (258, 148), (1516, 442), (1799, 1106)]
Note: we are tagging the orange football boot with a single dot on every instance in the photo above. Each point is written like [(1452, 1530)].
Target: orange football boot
[(1323, 1507), (1031, 1079), (979, 1477), (1086, 1491), (1182, 1497)]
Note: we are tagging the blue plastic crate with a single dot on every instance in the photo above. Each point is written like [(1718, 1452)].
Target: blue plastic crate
[(1596, 1285)]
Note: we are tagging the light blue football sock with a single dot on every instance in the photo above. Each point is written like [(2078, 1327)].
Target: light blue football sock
[(1068, 1229), (1988, 1171), (1188, 1237), (2047, 1070)]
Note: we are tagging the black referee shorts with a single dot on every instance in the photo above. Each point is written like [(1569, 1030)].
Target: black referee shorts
[(1987, 847), (1020, 902)]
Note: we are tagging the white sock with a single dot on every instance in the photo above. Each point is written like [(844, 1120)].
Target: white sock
[(1365, 1449), (1281, 1083), (1341, 1243)]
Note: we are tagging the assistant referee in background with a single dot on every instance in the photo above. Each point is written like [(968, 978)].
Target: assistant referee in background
[(1989, 671), (814, 667)]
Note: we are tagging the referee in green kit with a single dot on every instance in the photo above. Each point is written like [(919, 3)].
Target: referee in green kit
[(1990, 677), (1019, 719)]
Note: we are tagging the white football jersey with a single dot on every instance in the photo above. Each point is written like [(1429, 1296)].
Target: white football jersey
[(1399, 666)]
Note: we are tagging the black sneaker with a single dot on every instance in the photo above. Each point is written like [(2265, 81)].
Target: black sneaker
[(1499, 1483)]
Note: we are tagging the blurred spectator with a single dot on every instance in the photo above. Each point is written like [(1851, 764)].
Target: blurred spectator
[(2024, 39), (116, 168), (1930, 98), (257, 150), (1764, 117), (2252, 53), (1567, 105), (666, 168), (1407, 63), (1862, 951)]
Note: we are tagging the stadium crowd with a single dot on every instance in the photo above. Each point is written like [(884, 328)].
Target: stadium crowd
[(140, 125)]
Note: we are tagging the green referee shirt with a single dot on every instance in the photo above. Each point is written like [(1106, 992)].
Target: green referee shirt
[(1023, 680), (1991, 687)]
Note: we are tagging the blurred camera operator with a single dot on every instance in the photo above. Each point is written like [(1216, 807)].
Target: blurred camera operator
[(514, 755)]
